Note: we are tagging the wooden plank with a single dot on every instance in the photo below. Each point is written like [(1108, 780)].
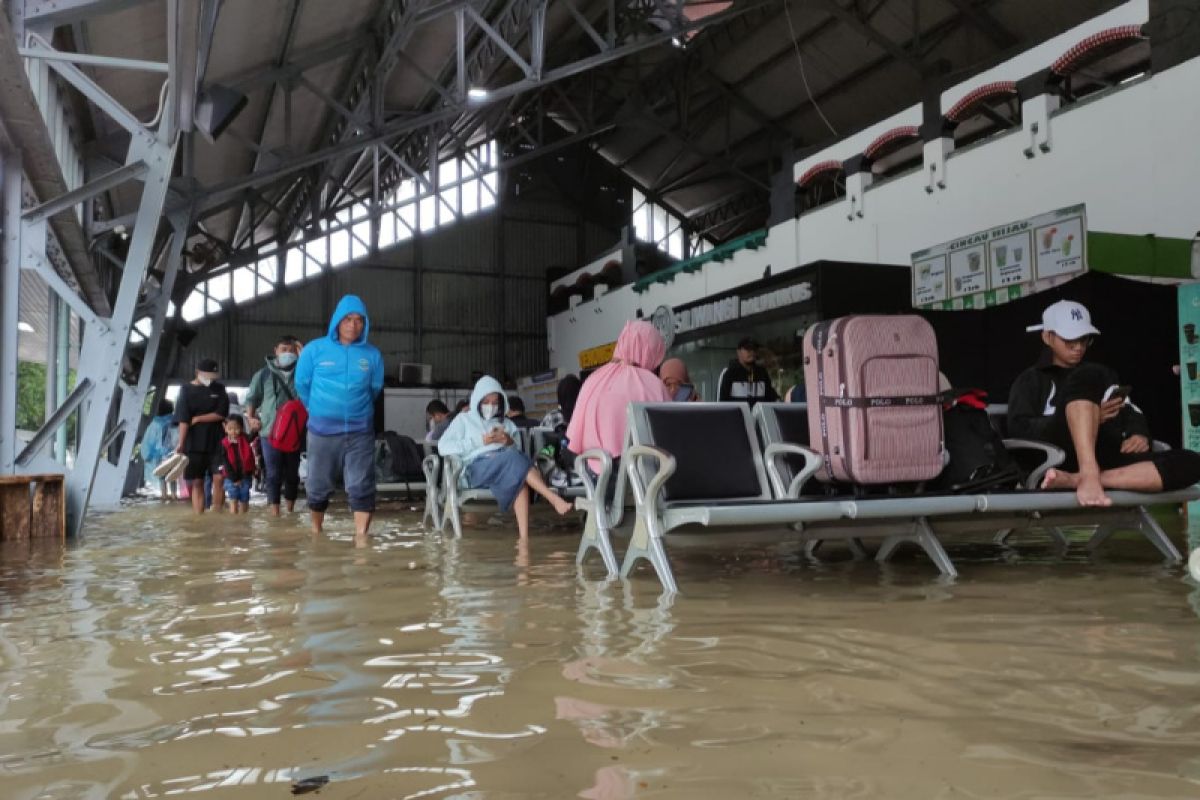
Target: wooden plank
[(14, 511), (28, 479), (49, 516)]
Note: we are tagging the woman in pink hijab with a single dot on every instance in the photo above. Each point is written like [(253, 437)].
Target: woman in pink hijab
[(600, 413)]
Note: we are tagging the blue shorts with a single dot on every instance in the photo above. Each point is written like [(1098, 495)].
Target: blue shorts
[(238, 491)]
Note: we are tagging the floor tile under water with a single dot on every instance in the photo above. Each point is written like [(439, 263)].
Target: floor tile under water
[(233, 658)]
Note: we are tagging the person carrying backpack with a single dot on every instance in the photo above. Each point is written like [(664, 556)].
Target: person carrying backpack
[(280, 435)]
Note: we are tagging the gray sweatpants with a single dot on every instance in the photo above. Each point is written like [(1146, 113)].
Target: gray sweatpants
[(350, 454)]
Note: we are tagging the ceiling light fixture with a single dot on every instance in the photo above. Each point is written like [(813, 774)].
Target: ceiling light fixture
[(476, 93), (24, 327), (216, 108)]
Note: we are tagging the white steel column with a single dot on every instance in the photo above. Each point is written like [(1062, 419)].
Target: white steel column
[(10, 293)]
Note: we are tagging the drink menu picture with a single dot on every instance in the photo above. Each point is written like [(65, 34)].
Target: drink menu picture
[(968, 271), (1060, 247), (1001, 263), (1011, 260), (929, 280)]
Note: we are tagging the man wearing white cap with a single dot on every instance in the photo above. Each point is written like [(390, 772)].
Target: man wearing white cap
[(1082, 408)]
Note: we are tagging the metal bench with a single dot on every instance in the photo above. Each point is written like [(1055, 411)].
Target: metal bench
[(700, 463)]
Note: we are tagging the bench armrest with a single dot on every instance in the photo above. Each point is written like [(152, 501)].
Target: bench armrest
[(1052, 457), (646, 494), (430, 465), (596, 488), (772, 456)]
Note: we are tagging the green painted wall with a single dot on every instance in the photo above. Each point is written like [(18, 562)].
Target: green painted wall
[(1150, 256)]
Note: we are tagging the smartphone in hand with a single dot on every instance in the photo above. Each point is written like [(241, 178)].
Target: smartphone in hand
[(1114, 391), (684, 393)]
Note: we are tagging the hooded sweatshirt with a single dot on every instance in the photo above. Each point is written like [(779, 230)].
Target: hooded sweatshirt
[(464, 437), (600, 416), (270, 388), (338, 383)]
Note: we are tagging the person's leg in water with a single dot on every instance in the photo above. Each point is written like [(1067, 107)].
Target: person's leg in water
[(358, 470), (197, 495), (273, 466), (533, 480), (520, 508)]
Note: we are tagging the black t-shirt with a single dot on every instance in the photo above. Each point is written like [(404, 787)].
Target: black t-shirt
[(194, 401)]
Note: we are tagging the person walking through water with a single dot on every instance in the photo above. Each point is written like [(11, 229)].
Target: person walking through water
[(271, 387), (485, 439), (200, 410), (338, 377)]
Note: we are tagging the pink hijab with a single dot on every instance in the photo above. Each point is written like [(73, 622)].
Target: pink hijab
[(600, 414)]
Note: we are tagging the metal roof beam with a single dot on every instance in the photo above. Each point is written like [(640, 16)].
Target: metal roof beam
[(222, 192), (52, 13), (855, 22), (986, 23)]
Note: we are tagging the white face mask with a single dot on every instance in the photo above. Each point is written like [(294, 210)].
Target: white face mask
[(489, 410), (285, 359), (204, 380)]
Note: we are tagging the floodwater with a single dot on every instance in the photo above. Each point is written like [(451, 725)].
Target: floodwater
[(229, 657)]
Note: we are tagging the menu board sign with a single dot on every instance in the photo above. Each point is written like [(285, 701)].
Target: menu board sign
[(1002, 263)]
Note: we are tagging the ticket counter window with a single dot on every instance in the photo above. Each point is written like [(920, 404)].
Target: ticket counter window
[(780, 352)]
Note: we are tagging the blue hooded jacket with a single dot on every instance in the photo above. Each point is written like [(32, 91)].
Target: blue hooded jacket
[(338, 383)]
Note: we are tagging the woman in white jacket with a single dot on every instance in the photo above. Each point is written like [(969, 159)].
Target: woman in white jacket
[(485, 440)]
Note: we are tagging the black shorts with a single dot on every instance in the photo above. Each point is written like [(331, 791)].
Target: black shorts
[(200, 465)]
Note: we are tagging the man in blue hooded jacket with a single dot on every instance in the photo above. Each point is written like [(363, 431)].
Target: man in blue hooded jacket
[(338, 378)]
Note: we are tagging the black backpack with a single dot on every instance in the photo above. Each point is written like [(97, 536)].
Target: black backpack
[(406, 457), (978, 458)]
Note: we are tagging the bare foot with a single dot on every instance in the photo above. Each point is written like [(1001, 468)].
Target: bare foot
[(1089, 492), (1058, 479), (274, 511), (562, 506)]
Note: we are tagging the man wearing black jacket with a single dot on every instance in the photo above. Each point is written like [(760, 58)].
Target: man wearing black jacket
[(1081, 408), (744, 380)]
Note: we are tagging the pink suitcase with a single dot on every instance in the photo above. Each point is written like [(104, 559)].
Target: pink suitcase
[(874, 413)]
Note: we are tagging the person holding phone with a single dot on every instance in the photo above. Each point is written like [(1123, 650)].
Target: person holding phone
[(674, 374), (1082, 408), (485, 439)]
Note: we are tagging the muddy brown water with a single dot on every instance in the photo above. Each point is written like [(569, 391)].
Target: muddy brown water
[(231, 658)]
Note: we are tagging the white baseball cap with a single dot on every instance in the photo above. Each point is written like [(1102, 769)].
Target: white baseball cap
[(1070, 320)]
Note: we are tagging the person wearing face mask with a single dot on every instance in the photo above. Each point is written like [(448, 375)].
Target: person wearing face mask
[(271, 387), (485, 440), (200, 410), (338, 378)]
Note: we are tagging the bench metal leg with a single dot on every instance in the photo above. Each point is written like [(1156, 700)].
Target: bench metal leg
[(450, 514), (1157, 536), (429, 466), (857, 548), (595, 535), (645, 545), (1001, 536), (1102, 535), (923, 536)]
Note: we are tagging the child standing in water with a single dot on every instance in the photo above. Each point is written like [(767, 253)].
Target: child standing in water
[(237, 464)]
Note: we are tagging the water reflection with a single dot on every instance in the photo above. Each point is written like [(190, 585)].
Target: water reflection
[(169, 655)]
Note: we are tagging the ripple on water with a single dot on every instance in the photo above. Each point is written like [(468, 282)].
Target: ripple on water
[(231, 658)]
